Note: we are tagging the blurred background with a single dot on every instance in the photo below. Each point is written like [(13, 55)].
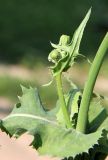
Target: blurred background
[(26, 29)]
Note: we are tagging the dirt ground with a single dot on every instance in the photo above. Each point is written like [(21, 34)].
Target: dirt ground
[(12, 149)]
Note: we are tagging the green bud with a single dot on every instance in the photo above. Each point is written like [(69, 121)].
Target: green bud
[(64, 40), (54, 56)]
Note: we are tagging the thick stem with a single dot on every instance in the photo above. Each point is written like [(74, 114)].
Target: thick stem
[(62, 101), (88, 89)]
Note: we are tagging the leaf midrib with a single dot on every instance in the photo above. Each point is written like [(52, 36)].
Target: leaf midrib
[(24, 115)]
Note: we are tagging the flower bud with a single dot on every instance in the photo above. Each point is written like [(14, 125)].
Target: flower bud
[(64, 40), (54, 56)]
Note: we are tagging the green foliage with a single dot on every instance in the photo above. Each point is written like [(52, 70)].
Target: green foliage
[(98, 119), (30, 116), (72, 102), (71, 129)]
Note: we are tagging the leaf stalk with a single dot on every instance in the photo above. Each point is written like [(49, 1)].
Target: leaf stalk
[(89, 86)]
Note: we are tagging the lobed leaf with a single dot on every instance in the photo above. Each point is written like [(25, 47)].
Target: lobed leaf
[(50, 138)]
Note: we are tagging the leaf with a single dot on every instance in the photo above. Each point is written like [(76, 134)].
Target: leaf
[(50, 138), (75, 100), (97, 115), (65, 143), (76, 40), (71, 100), (98, 120), (29, 111)]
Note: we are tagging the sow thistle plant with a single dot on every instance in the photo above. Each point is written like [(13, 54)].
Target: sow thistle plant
[(77, 128)]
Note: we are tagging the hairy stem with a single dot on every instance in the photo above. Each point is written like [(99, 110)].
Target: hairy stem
[(62, 100), (88, 89)]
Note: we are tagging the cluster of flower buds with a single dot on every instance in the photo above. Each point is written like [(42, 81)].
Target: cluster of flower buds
[(60, 50), (66, 51)]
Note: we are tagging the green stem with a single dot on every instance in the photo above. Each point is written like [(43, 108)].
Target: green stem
[(62, 100), (88, 89)]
